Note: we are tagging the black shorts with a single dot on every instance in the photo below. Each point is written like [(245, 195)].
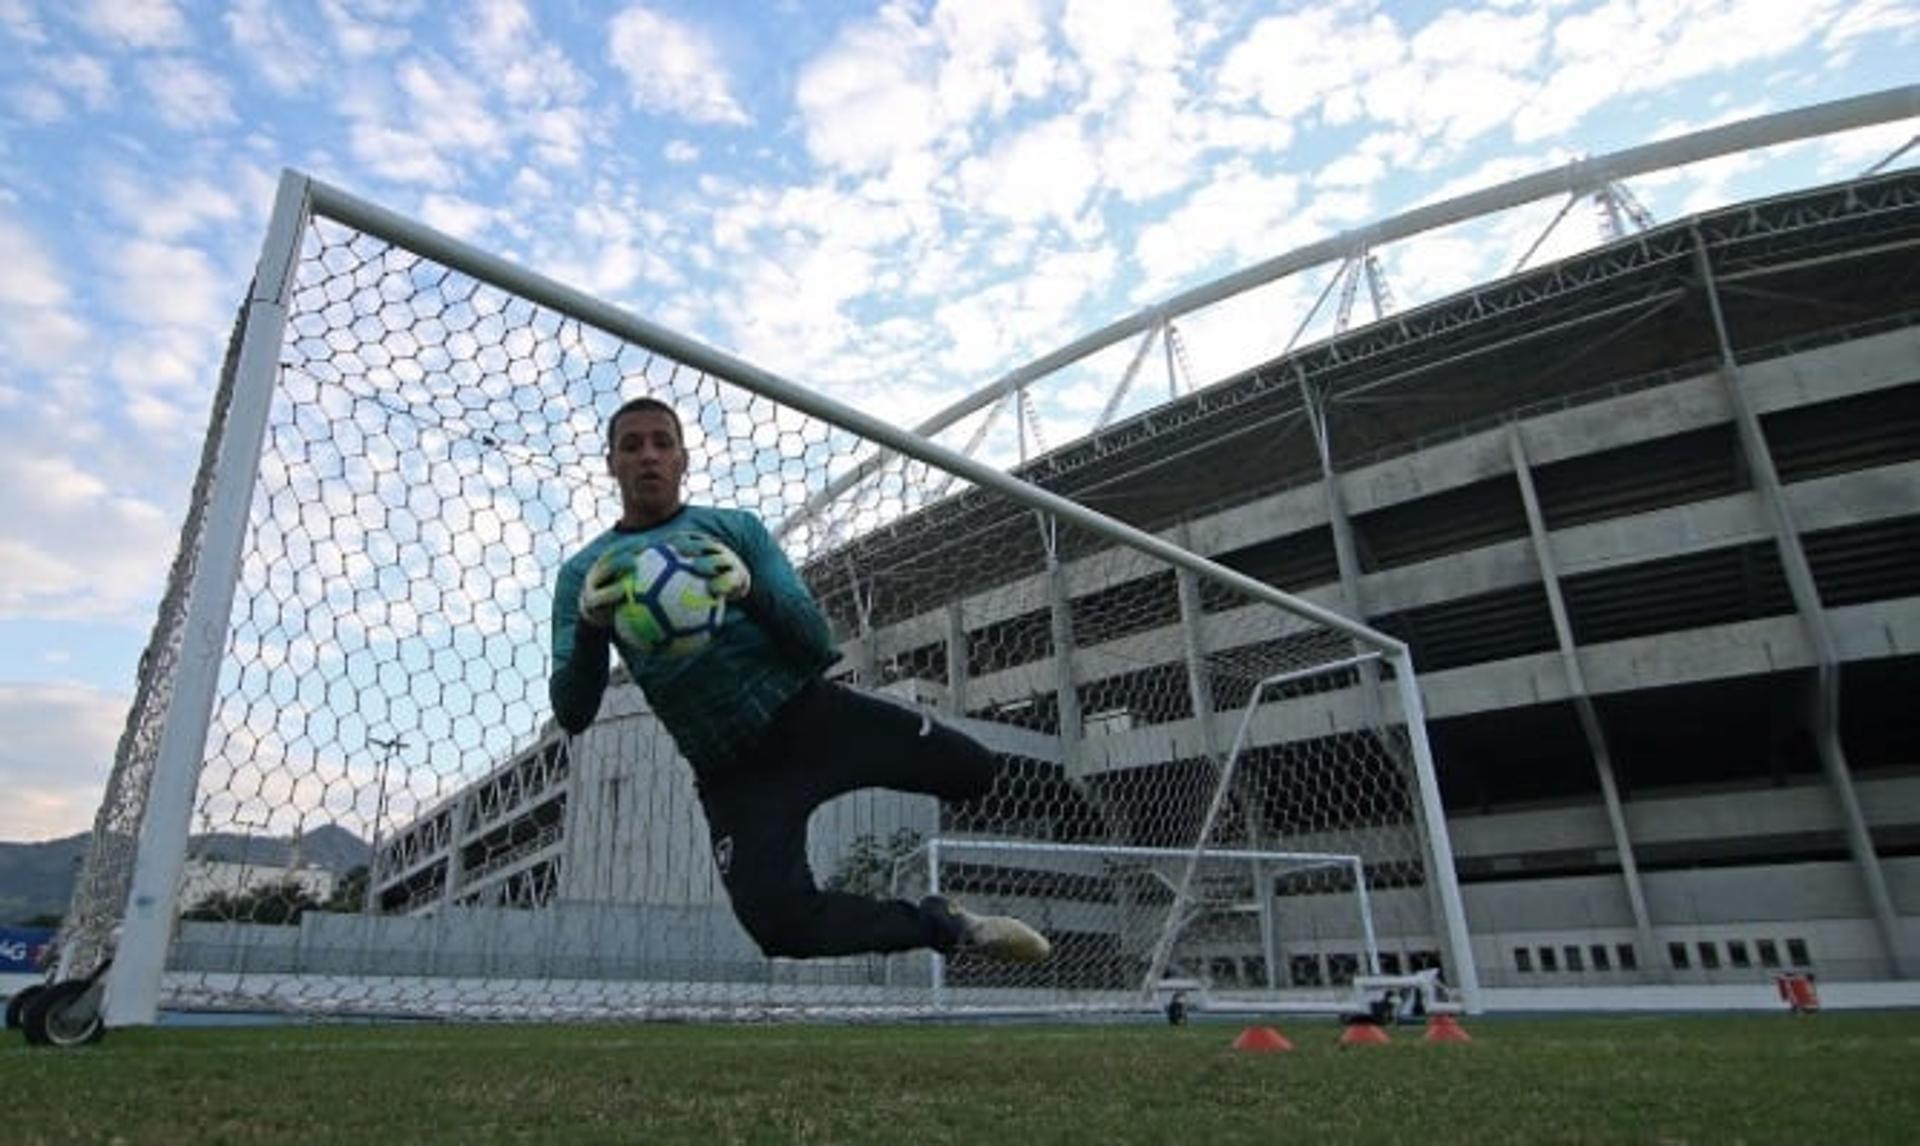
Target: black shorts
[(827, 741)]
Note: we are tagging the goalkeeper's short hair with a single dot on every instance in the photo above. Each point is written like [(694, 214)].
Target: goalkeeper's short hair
[(645, 403)]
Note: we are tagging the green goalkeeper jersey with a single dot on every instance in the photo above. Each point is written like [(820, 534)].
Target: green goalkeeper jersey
[(716, 701)]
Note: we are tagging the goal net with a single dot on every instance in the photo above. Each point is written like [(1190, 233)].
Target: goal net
[(340, 791)]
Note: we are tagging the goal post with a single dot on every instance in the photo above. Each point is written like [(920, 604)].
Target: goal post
[(345, 719), (1183, 903)]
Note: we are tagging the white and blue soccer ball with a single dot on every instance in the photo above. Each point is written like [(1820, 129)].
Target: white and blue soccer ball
[(668, 610)]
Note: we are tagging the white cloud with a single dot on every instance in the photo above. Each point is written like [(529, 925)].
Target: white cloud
[(680, 151), (1866, 18), (449, 109), (20, 21), (1115, 44), (533, 76), (1853, 152), (31, 281), (1620, 48), (400, 155), (1238, 216), (1046, 171), (168, 365), (58, 77), (865, 102), (81, 75), (997, 57), (994, 328), (1354, 169), (53, 512), (186, 96), (529, 70), (38, 324), (289, 59), (195, 205), (159, 283), (424, 130), (59, 741), (1294, 64), (672, 68), (358, 29), (460, 217), (136, 23), (37, 103)]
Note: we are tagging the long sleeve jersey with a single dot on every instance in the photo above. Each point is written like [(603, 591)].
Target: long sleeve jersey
[(716, 701)]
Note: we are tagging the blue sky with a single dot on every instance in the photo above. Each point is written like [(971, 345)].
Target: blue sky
[(895, 203)]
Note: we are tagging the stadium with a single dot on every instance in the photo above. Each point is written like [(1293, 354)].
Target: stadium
[(1646, 520), (1548, 496)]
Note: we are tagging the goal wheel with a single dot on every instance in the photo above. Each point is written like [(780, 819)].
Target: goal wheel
[(17, 1004), (64, 1015)]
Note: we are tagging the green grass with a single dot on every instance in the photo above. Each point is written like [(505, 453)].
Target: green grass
[(1851, 1078)]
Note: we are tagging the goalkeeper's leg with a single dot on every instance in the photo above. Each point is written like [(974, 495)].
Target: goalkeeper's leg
[(844, 740), (759, 828), (998, 936), (758, 822)]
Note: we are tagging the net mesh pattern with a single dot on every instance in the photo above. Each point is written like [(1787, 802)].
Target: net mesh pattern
[(1202, 785)]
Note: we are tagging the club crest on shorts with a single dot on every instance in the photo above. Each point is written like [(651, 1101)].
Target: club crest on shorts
[(723, 853)]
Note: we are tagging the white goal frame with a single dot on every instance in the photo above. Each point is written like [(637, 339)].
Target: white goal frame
[(940, 848), (139, 955)]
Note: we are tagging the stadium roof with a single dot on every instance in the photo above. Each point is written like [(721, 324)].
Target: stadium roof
[(1804, 267)]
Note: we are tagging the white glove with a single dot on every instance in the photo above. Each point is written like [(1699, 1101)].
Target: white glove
[(603, 590), (727, 576)]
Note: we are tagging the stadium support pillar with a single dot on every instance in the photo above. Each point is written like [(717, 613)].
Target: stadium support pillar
[(1344, 552), (1813, 619), (1060, 610), (1200, 693), (133, 983), (1444, 895), (866, 650), (1582, 699), (1194, 648), (956, 660)]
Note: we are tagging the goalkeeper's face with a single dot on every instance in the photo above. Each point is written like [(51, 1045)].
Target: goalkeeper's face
[(648, 461)]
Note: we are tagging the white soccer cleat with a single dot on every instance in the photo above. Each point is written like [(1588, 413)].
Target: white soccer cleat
[(996, 936)]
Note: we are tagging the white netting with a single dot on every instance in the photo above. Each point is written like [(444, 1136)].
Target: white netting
[(434, 449)]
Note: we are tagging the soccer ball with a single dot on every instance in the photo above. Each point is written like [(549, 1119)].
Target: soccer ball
[(668, 611)]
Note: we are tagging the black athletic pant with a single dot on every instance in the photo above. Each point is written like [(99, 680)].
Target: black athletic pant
[(825, 742)]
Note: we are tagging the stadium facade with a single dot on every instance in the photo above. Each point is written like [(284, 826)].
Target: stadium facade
[(1649, 519)]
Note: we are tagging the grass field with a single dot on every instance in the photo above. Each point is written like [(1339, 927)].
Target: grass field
[(1851, 1078)]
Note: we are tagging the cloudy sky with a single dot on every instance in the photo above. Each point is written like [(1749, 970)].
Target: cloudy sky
[(893, 202)]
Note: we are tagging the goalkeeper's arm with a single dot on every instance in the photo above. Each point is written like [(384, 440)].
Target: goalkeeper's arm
[(580, 651)]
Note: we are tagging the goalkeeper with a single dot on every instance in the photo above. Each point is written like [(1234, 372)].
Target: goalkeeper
[(769, 738)]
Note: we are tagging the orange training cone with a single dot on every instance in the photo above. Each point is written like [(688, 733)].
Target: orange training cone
[(1446, 1029), (1364, 1034), (1261, 1040)]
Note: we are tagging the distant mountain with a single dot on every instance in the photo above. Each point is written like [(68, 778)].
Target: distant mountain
[(331, 847), (37, 879)]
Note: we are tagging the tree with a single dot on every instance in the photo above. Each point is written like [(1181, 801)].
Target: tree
[(350, 894), (278, 904), (867, 866)]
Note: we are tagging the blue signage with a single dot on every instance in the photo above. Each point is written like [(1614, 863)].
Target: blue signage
[(22, 949)]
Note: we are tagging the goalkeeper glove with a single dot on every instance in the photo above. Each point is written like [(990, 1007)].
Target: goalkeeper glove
[(727, 576), (603, 591)]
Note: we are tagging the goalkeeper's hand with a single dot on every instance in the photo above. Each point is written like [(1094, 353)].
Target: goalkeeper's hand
[(727, 576), (602, 592)]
